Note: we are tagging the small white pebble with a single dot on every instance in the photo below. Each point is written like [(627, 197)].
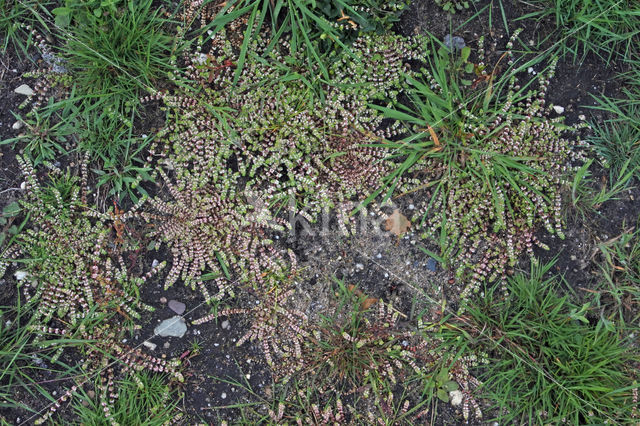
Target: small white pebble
[(150, 345), (411, 207), (386, 275), (223, 396), (359, 266), (379, 255), (155, 263), (558, 109), (225, 324), (23, 185), (124, 340), (248, 376), (456, 397), (17, 125), (530, 70), (20, 275), (166, 345), (24, 89), (582, 117)]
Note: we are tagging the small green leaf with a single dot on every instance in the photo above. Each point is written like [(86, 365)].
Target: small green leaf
[(468, 67), (61, 11), (11, 209), (97, 12), (450, 386), (62, 21), (223, 265), (442, 395), (443, 376), (466, 51)]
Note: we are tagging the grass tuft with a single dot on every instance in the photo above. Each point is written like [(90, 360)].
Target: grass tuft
[(553, 361)]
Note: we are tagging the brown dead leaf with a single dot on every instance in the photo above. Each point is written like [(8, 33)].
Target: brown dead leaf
[(397, 223), (367, 302)]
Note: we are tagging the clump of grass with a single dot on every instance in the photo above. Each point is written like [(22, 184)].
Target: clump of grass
[(15, 16), (313, 29), (495, 164), (587, 195), (357, 348), (620, 269), (152, 404), (609, 29), (552, 363), (118, 55), (117, 153), (617, 140), (21, 360)]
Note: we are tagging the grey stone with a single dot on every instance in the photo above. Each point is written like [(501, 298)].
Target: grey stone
[(225, 324), (454, 42), (432, 264), (150, 345), (177, 307), (23, 89), (55, 62), (172, 327)]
